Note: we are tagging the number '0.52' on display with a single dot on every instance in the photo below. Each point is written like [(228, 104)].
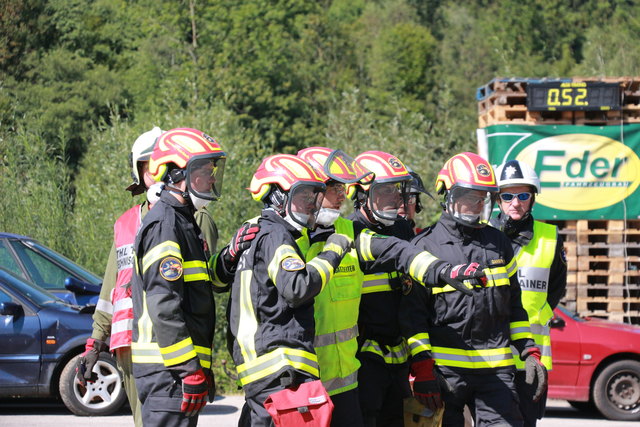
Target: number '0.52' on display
[(558, 96)]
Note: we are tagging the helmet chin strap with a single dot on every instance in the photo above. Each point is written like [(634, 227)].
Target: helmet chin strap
[(175, 190)]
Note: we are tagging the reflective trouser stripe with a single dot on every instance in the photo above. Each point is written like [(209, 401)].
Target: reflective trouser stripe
[(396, 354), (332, 338), (340, 385), (272, 362), (419, 343), (473, 359)]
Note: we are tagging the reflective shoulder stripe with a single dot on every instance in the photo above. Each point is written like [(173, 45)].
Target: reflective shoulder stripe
[(520, 330), (420, 264), (160, 251), (364, 248), (419, 343), (195, 271), (284, 251), (473, 359), (275, 360)]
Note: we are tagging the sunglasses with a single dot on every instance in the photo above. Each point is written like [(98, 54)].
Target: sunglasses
[(507, 197)]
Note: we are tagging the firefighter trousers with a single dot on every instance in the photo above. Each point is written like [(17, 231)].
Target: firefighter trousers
[(492, 398), (123, 359), (531, 411), (346, 409), (160, 394)]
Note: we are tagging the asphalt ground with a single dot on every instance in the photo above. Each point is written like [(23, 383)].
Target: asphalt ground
[(225, 411)]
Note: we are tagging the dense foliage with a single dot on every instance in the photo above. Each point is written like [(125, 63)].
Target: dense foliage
[(80, 79)]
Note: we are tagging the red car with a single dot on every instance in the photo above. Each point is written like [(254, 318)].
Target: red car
[(596, 363)]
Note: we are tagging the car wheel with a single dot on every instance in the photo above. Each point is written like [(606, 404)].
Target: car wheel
[(616, 392), (102, 397)]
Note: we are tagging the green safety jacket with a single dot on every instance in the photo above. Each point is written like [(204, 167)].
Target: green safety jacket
[(534, 266), (336, 318)]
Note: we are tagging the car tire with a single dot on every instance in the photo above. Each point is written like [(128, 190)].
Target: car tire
[(616, 391), (102, 397)]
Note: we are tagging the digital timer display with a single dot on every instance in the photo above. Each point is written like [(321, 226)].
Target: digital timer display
[(582, 96)]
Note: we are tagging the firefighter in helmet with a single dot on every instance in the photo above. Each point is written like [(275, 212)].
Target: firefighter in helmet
[(271, 317), (383, 352), (468, 359), (542, 268), (173, 306)]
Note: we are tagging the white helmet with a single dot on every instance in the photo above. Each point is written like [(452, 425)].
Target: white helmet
[(140, 152), (514, 172)]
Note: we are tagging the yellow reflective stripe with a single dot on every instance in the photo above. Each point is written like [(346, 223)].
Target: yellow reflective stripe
[(377, 282), (365, 245), (333, 247), (160, 251), (150, 353), (247, 322), (473, 359), (179, 352), (195, 271), (448, 288), (324, 267), (397, 354), (145, 325), (217, 282), (204, 354), (497, 277), (520, 330), (420, 264), (512, 267), (272, 362), (340, 385), (284, 251), (419, 343)]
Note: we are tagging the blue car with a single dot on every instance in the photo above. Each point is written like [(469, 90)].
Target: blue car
[(48, 269), (41, 339)]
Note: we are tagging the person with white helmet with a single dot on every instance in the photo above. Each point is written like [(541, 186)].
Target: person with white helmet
[(542, 268), (414, 206), (113, 315)]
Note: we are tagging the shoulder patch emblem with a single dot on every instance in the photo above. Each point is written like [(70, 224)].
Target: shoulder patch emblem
[(171, 268), (292, 264), (563, 255)]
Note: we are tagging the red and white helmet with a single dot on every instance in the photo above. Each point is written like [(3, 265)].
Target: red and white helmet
[(185, 153), (387, 193), (469, 184), (291, 187), (335, 165)]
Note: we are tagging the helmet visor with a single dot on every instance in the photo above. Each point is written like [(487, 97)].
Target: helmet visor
[(304, 204), (204, 177), (345, 169), (470, 207), (387, 198)]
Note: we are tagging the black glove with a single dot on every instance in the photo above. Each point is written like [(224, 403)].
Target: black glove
[(535, 370), (343, 241), (455, 275), (88, 359)]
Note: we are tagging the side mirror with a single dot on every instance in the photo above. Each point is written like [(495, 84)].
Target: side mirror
[(11, 309), (557, 322), (80, 287)]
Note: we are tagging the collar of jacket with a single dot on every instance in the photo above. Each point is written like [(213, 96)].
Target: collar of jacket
[(269, 215), (457, 231), (520, 232), (167, 198)]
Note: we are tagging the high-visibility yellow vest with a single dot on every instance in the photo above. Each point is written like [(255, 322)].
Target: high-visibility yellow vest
[(336, 318), (534, 264)]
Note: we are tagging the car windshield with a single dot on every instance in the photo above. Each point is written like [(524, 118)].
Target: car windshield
[(53, 268), (570, 313), (33, 292)]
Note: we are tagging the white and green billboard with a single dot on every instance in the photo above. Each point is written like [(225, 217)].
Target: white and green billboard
[(586, 172)]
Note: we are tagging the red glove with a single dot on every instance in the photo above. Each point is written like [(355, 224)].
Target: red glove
[(535, 370), (242, 240), (426, 386), (194, 393)]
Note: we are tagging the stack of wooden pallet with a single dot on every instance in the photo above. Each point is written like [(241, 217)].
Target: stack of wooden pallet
[(603, 256), (603, 261), (504, 101)]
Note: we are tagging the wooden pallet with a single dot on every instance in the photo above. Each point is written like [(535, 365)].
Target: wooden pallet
[(607, 278)]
